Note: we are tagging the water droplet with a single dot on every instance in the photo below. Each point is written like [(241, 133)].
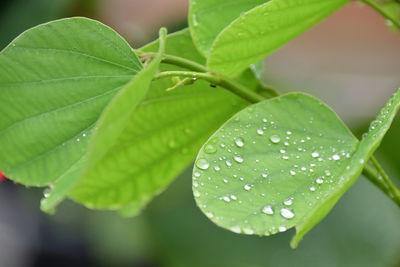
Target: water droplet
[(336, 157), (46, 192), (226, 199), (210, 149), (268, 210), (285, 157), (196, 174), (319, 181), (361, 161), (228, 163), (315, 154), (239, 142), (288, 132), (77, 139), (236, 229), (312, 188), (248, 231), (196, 193), (202, 164), (247, 187), (260, 132), (225, 181), (238, 159), (233, 197), (275, 139), (217, 168), (282, 229), (287, 213), (282, 151), (264, 175), (209, 214), (292, 172), (288, 201)]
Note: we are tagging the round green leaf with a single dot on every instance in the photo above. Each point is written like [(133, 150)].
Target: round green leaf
[(266, 167), (281, 163)]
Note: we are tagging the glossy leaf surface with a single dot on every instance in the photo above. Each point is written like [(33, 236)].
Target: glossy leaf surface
[(279, 164)]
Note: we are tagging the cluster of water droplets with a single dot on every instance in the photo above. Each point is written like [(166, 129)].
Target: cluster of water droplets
[(248, 184)]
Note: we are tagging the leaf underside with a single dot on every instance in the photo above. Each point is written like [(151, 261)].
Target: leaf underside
[(281, 163)]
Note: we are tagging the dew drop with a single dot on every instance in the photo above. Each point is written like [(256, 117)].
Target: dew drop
[(287, 213), (247, 187), (217, 168), (312, 188), (228, 163), (196, 193), (319, 181), (268, 210), (226, 199), (336, 157), (282, 229), (236, 229), (288, 132), (275, 139), (292, 172), (202, 164), (210, 149), (248, 231), (288, 201), (315, 154), (239, 142), (233, 197), (260, 132), (264, 175), (238, 159), (196, 174), (46, 192)]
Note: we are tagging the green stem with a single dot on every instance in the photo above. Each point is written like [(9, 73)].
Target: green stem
[(371, 174), (393, 191), (215, 79), (378, 8), (176, 61)]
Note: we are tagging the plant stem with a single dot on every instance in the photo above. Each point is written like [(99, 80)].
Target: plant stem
[(392, 191), (215, 79), (176, 61), (378, 8)]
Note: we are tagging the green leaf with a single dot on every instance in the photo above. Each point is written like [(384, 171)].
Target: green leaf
[(390, 9), (107, 156), (207, 18), (175, 123), (281, 163), (161, 138), (55, 80), (264, 29)]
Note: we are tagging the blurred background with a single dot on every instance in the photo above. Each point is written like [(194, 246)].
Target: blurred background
[(351, 61)]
